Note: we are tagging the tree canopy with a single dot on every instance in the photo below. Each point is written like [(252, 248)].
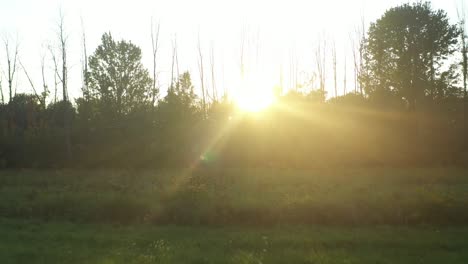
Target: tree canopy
[(409, 59), (117, 78), (407, 51)]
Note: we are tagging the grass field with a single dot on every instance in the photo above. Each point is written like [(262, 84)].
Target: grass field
[(39, 242), (240, 197), (235, 216)]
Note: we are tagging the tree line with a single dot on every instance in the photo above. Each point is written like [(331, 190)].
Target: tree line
[(409, 107)]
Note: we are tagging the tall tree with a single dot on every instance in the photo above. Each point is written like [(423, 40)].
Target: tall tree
[(84, 66), (464, 63), (1, 90), (180, 102), (63, 43), (345, 71), (155, 47), (117, 78), (38, 97), (12, 58), (202, 76), (45, 87), (407, 50), (57, 78), (361, 34), (62, 76), (355, 52), (334, 60), (213, 82), (321, 61)]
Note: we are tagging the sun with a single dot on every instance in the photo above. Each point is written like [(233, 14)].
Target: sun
[(254, 96), (254, 102)]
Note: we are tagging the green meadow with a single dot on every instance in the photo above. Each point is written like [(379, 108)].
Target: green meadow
[(214, 215)]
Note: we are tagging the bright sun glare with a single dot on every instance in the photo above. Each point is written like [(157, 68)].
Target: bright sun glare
[(254, 95), (255, 101)]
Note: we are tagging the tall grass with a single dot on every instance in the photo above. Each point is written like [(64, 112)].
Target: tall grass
[(212, 196)]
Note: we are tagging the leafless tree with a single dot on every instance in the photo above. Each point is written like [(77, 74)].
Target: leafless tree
[(61, 71), (56, 73), (345, 64), (213, 82), (63, 77), (281, 79), (63, 38), (45, 87), (1, 90), (242, 54), (84, 63), (358, 40), (176, 57), (202, 77), (12, 58), (57, 77), (321, 61), (225, 91), (174, 51), (39, 98), (362, 46), (155, 47), (293, 70), (464, 52), (334, 59), (355, 51)]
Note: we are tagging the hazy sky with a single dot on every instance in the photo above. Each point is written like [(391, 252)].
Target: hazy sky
[(275, 33)]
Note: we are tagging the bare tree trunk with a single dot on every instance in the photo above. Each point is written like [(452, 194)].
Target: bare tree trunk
[(64, 78), (57, 77), (362, 36), (177, 58), (320, 57), (295, 74), (155, 46), (293, 66), (173, 61), (345, 74), (202, 78), (281, 80), (45, 91), (242, 58), (324, 57), (63, 49), (55, 88), (464, 50), (1, 90), (213, 82), (84, 67), (334, 67), (225, 91), (16, 87), (39, 98), (291, 71), (355, 61), (11, 64)]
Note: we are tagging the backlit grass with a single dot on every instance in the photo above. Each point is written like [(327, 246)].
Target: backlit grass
[(39, 242)]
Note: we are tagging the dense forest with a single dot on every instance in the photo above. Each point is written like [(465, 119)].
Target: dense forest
[(408, 108)]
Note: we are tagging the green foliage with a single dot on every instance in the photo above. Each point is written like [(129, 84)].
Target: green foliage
[(234, 216), (180, 104), (407, 51), (117, 78), (118, 124)]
